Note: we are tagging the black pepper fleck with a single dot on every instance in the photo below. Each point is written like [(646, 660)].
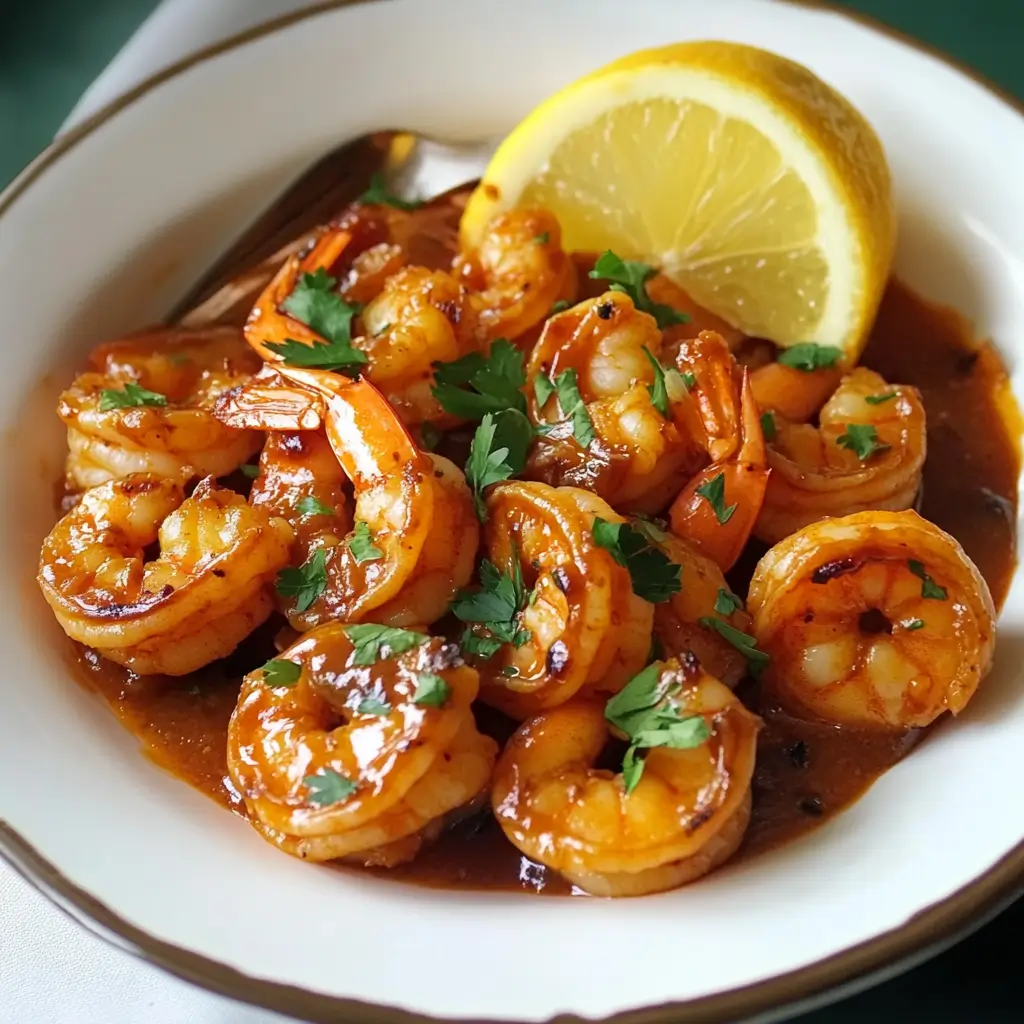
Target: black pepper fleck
[(811, 806)]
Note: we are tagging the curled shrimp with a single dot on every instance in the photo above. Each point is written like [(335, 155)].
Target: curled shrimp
[(352, 760), (301, 481), (587, 631), (680, 624), (518, 272), (719, 506), (640, 456), (685, 816), (876, 619), (146, 407), (414, 507), (209, 588), (819, 472)]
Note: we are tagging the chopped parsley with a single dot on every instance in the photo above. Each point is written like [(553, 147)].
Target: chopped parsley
[(658, 390), (757, 660), (630, 278), (494, 608), (373, 706), (372, 643), (543, 238), (315, 303), (929, 588), (727, 602), (559, 307), (497, 452), (306, 582), (431, 691), (281, 672), (808, 356), (573, 407), (360, 543), (768, 427), (379, 195), (654, 576), (312, 506), (713, 492), (328, 787), (689, 379), (914, 624), (475, 385), (862, 440), (131, 396), (250, 470), (543, 389), (643, 712), (879, 399)]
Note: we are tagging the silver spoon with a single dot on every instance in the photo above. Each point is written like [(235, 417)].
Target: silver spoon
[(413, 166)]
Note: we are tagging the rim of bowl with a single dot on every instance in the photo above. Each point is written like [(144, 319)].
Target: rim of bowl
[(925, 934)]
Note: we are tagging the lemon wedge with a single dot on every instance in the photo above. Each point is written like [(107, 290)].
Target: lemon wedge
[(752, 184)]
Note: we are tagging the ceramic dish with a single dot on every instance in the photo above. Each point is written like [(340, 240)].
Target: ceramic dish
[(111, 226)]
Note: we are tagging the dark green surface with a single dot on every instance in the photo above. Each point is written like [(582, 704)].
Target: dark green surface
[(50, 50)]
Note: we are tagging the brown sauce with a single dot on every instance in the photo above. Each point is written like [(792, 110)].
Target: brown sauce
[(806, 772)]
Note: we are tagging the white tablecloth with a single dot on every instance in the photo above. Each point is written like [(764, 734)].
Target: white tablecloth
[(51, 970)]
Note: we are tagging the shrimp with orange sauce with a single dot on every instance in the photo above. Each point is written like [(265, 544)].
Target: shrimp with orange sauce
[(641, 455), (874, 619), (416, 531), (573, 623), (146, 406), (358, 743), (210, 586), (677, 810), (517, 274), (867, 452)]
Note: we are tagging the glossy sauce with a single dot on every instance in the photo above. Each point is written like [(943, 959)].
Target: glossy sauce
[(805, 772)]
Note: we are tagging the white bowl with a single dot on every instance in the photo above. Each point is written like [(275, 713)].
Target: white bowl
[(112, 224)]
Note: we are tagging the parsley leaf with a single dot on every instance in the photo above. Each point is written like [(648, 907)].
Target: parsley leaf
[(727, 602), (497, 452), (131, 396), (658, 390), (879, 399), (768, 427), (481, 646), (641, 712), (496, 382), (914, 624), (306, 582), (862, 440), (494, 607), (250, 470), (431, 691), (808, 356), (689, 379), (373, 706), (543, 389), (543, 238), (373, 643), (281, 672), (559, 307), (929, 588), (714, 493), (572, 405), (360, 543), (757, 660), (328, 787), (315, 303), (311, 506), (378, 195), (631, 277), (655, 577)]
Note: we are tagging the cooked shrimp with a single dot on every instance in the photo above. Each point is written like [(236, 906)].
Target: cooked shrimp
[(586, 631), (301, 482), (146, 407), (719, 506), (867, 453), (792, 394), (209, 588), (518, 273), (358, 757), (704, 594), (875, 619), (685, 816), (420, 317), (412, 507), (640, 457)]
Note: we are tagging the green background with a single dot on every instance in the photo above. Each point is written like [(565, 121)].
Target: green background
[(50, 50)]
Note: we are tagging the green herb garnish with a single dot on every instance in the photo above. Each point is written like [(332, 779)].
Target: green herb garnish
[(495, 608), (312, 506), (929, 588), (543, 389), (131, 396), (497, 452), (250, 470), (475, 385), (379, 195), (808, 356), (373, 706), (431, 691), (743, 642), (655, 577), (879, 399), (543, 238), (281, 672), (768, 427), (573, 407), (559, 307), (862, 440), (306, 582), (727, 602), (372, 643), (714, 493), (658, 390), (328, 787), (914, 624), (630, 278), (360, 543)]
